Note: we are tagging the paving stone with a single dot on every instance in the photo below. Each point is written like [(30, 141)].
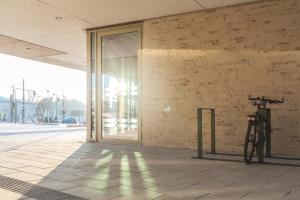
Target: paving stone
[(7, 195), (96, 183), (24, 176), (55, 184), (4, 171), (90, 193), (35, 170)]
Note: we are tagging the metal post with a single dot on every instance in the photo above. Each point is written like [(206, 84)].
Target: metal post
[(213, 130), (23, 109), (12, 105), (63, 107), (48, 105), (268, 134), (56, 108), (15, 105), (199, 132)]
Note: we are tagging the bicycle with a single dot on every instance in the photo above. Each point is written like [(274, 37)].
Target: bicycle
[(256, 131)]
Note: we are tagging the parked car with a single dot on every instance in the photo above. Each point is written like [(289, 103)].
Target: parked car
[(69, 120)]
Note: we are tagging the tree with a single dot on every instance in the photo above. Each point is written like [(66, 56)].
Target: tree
[(47, 108)]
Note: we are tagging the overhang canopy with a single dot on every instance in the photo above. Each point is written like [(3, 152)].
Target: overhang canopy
[(51, 31)]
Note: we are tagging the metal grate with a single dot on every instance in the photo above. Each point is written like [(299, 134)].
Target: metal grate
[(34, 191)]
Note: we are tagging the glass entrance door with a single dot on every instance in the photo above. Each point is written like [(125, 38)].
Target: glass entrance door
[(119, 86)]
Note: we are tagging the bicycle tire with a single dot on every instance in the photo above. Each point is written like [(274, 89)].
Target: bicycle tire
[(249, 146)]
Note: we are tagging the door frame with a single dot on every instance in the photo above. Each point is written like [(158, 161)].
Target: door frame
[(136, 27)]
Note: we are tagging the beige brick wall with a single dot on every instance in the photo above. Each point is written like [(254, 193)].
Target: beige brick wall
[(216, 58)]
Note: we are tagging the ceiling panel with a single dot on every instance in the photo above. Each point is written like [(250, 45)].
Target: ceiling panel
[(24, 49), (66, 60), (221, 3), (73, 42), (25, 19), (5, 39), (107, 12)]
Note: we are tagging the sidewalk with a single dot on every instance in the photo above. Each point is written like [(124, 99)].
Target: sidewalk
[(62, 164), (6, 128)]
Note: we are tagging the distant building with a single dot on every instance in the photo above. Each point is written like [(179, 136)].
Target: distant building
[(7, 115)]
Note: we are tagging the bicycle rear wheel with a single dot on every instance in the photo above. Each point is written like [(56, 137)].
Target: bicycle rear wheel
[(249, 146)]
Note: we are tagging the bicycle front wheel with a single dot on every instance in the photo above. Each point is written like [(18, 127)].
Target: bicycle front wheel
[(249, 146)]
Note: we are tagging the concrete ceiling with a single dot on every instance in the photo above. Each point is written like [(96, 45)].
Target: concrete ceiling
[(29, 28)]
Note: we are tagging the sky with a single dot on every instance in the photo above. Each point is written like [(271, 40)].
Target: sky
[(41, 77)]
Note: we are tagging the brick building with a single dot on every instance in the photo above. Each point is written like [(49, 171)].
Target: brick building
[(213, 58)]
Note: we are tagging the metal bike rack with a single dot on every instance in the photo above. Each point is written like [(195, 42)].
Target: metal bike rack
[(200, 131), (268, 134), (213, 155), (213, 132)]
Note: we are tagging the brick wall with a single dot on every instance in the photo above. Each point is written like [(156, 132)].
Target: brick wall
[(216, 58)]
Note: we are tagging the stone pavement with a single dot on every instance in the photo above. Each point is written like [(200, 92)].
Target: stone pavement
[(62, 161)]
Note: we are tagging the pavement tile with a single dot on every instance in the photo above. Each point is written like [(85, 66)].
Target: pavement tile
[(90, 193), (24, 176), (54, 184), (4, 171), (8, 195)]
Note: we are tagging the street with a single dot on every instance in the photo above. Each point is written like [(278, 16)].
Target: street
[(11, 128), (15, 135)]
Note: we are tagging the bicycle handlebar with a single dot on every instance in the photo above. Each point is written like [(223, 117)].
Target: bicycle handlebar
[(263, 99)]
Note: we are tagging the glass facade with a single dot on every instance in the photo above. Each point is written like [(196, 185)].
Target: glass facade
[(93, 86), (113, 83), (119, 86)]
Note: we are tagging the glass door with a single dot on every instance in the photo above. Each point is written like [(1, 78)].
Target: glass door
[(119, 86)]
